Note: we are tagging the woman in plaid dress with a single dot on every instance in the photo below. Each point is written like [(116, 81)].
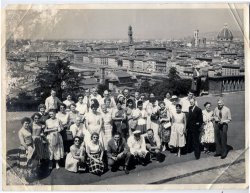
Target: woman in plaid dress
[(95, 150)]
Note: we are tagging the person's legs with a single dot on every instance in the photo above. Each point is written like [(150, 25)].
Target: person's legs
[(224, 140), (217, 136), (189, 144), (196, 143)]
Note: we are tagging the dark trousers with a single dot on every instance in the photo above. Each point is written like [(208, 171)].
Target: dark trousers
[(122, 161), (220, 132), (193, 142), (141, 159), (159, 156)]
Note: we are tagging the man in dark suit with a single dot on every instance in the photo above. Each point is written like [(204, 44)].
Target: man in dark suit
[(194, 123), (118, 153)]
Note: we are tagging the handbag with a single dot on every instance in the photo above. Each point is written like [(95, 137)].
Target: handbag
[(69, 135)]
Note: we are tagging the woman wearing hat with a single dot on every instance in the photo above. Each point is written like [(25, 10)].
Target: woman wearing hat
[(120, 123), (174, 101)]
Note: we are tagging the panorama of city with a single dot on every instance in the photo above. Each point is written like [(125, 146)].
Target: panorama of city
[(205, 68)]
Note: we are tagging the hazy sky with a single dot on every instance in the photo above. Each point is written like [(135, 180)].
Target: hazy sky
[(113, 24)]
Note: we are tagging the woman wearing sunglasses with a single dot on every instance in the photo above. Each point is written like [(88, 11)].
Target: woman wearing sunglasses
[(95, 150), (76, 157)]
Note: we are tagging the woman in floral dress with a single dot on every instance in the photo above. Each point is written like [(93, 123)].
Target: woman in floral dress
[(207, 134)]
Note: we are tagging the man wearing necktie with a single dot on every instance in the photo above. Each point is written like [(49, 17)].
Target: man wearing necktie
[(222, 118), (194, 123), (118, 153)]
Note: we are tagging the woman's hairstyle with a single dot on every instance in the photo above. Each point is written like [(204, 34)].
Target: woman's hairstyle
[(80, 95), (206, 103), (94, 134), (77, 137), (73, 104), (25, 119), (162, 102), (36, 114), (107, 99), (130, 101), (94, 104), (139, 103), (41, 106), (52, 110), (178, 105), (62, 104)]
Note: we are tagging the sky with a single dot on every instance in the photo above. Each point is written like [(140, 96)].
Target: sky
[(113, 24)]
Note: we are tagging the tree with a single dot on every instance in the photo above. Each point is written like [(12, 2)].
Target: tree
[(145, 87), (173, 74), (59, 76)]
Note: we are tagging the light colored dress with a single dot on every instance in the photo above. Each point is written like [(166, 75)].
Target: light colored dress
[(71, 164), (177, 137), (152, 124), (56, 150), (107, 127), (207, 135), (94, 125), (63, 117), (141, 119)]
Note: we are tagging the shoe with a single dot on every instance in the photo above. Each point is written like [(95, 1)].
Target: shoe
[(217, 155), (126, 170), (223, 157)]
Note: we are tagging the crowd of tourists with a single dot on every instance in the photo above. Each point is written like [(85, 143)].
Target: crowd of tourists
[(97, 133)]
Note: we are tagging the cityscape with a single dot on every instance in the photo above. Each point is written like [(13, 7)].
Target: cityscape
[(121, 64)]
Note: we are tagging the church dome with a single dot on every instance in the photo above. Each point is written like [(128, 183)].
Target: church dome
[(225, 34)]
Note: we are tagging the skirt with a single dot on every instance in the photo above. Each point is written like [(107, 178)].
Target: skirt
[(24, 157), (55, 143), (207, 134), (41, 148), (107, 135), (71, 164), (177, 137), (165, 134), (94, 167)]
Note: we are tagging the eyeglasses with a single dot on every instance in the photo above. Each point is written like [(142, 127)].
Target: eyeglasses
[(77, 140)]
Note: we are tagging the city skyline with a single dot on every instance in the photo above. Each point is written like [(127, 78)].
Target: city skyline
[(113, 24)]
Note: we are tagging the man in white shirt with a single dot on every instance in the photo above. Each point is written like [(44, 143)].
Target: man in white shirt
[(106, 96), (137, 98), (95, 95), (77, 128), (185, 102), (81, 107), (52, 102), (137, 146)]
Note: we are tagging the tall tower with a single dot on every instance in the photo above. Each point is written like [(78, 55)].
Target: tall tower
[(130, 35), (196, 38)]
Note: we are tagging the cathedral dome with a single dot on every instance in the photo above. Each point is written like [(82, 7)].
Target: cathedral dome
[(225, 34)]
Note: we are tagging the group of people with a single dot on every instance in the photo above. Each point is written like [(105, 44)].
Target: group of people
[(99, 132)]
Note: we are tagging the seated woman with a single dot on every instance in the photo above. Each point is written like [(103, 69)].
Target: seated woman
[(39, 140), (95, 151), (25, 137), (55, 142), (76, 158)]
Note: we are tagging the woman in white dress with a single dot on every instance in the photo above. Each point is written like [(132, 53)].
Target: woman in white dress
[(178, 129), (207, 134), (94, 122), (76, 156), (107, 124), (55, 142)]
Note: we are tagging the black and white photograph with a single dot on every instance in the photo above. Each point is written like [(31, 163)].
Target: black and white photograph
[(146, 95)]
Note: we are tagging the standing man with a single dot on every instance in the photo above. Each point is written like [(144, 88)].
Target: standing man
[(137, 146), (118, 153), (106, 95), (137, 98), (222, 116), (185, 102), (95, 95), (127, 95), (194, 123), (52, 102)]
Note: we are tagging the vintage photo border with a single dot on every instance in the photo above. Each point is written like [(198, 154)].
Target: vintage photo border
[(245, 7)]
